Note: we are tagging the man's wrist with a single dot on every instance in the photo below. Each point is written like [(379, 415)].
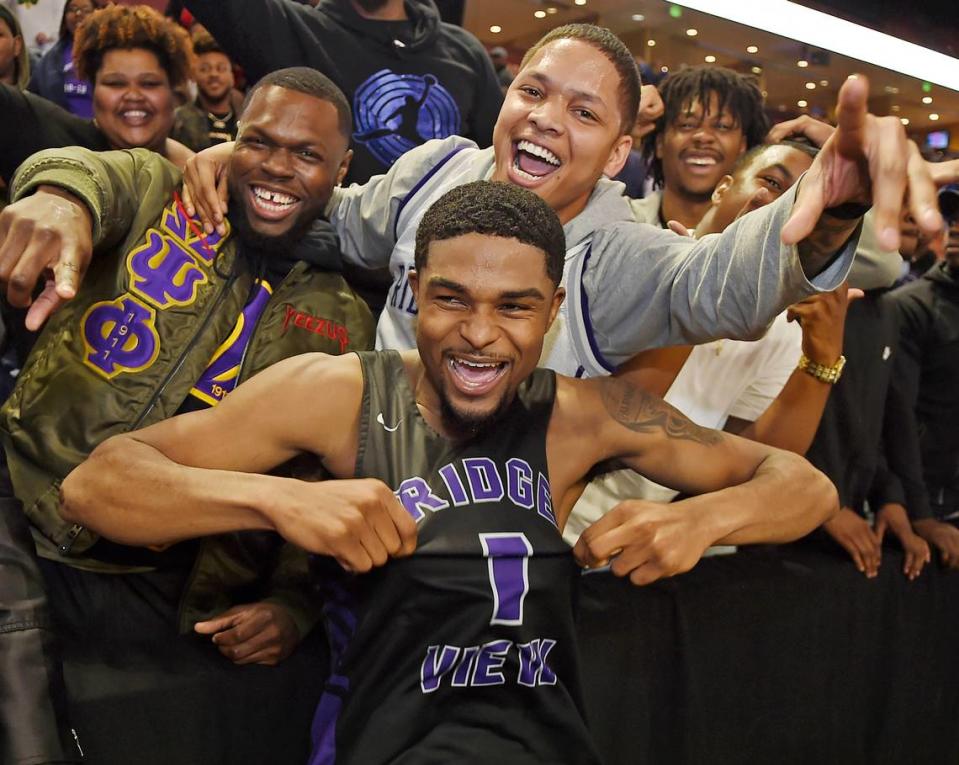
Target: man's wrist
[(824, 373)]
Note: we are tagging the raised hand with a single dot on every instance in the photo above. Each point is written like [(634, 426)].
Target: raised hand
[(47, 235), (867, 160), (205, 193), (823, 318)]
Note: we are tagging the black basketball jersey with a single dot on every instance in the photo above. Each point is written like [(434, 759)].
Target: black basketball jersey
[(465, 651)]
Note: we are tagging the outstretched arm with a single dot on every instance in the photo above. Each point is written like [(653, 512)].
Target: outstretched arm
[(200, 473), (67, 202), (746, 492)]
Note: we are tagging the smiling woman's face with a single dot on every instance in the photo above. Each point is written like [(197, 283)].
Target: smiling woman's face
[(133, 101)]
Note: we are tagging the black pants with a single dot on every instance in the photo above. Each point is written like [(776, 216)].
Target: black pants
[(33, 722), (139, 692)]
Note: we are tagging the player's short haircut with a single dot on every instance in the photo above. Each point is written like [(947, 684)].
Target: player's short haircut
[(739, 93), (127, 27), (494, 209), (798, 143), (618, 54), (304, 79)]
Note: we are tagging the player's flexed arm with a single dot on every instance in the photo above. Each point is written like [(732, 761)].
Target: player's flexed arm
[(746, 492), (197, 474)]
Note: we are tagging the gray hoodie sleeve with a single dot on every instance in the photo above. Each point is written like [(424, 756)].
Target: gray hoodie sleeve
[(645, 287), (364, 215)]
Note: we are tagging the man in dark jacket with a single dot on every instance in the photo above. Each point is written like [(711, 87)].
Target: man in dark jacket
[(409, 76), (928, 368), (168, 320)]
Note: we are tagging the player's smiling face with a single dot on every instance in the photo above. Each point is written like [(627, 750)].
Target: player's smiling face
[(559, 129), (289, 155), (485, 303)]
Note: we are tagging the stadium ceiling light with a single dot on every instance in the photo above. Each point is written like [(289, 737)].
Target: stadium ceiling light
[(580, 2), (752, 49), (802, 104), (710, 59), (540, 14), (787, 19), (692, 32), (904, 120), (496, 29), (927, 99), (934, 117), (651, 43)]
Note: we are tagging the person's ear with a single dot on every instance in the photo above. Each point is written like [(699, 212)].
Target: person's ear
[(344, 167), (721, 188), (659, 145), (414, 279), (558, 297), (17, 46), (618, 156)]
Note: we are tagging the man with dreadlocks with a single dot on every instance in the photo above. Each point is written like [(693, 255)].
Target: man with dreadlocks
[(712, 116)]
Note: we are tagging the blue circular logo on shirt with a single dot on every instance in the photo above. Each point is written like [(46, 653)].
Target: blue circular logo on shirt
[(397, 112)]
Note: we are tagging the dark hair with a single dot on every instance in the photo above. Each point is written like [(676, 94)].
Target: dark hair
[(21, 67), (618, 54), (303, 79), (799, 143), (495, 209), (64, 31), (126, 28), (737, 92), (204, 42)]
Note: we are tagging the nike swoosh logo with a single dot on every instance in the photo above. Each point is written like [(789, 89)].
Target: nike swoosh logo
[(387, 428)]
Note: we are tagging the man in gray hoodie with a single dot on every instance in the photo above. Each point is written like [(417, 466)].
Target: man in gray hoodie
[(564, 126)]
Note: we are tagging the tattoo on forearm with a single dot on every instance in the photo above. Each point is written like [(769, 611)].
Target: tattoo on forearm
[(820, 248), (642, 412)]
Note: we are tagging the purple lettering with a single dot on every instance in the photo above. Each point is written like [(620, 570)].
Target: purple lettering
[(163, 273), (519, 483), (489, 662), (485, 483), (461, 678), (533, 669), (544, 500), (437, 662), (120, 336), (454, 485), (507, 556), (415, 494)]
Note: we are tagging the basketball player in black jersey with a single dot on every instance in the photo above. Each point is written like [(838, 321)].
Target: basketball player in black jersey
[(455, 468)]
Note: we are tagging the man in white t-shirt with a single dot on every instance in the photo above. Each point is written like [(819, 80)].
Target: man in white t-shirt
[(758, 389)]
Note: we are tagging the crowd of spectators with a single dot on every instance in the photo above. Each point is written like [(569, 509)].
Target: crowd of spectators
[(858, 376)]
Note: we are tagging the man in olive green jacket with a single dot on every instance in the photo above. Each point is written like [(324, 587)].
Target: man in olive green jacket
[(169, 319)]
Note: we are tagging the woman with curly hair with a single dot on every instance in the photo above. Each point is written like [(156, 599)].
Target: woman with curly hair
[(135, 58)]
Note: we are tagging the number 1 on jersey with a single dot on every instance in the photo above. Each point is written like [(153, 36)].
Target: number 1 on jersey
[(507, 555)]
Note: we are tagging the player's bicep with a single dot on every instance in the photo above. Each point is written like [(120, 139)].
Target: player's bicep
[(661, 443), (267, 420)]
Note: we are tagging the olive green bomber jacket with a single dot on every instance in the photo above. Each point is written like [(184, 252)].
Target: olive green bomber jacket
[(160, 301)]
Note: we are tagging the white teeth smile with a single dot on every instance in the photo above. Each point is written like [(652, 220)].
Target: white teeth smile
[(476, 364), (539, 151), (701, 161), (274, 197), (135, 115)]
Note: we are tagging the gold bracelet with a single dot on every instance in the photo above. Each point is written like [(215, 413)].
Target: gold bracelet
[(822, 372)]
